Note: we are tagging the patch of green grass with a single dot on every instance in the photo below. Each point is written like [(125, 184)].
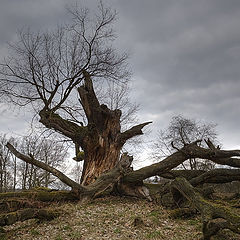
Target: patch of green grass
[(3, 237), (154, 235), (67, 228), (75, 235), (193, 222), (34, 232), (154, 214), (117, 230), (58, 238)]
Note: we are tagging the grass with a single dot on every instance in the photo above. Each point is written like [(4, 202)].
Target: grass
[(109, 218)]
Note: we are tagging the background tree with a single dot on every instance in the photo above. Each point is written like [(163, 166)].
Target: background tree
[(181, 132), (8, 166), (18, 174), (48, 151)]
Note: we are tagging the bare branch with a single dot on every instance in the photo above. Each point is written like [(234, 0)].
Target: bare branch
[(132, 132)]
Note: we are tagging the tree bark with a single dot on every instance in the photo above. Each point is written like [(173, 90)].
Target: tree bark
[(214, 217), (198, 177), (192, 150), (28, 213), (101, 140)]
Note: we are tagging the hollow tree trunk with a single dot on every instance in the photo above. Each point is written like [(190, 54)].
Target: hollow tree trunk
[(99, 160), (101, 149), (100, 145), (101, 140)]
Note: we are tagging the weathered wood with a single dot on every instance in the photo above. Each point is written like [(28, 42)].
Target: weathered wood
[(188, 174), (191, 150), (104, 139), (197, 177), (134, 131), (14, 204), (221, 175), (42, 196), (214, 216), (28, 213), (106, 182)]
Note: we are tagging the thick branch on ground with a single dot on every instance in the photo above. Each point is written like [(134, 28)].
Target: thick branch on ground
[(214, 217), (132, 132), (196, 177), (28, 213), (14, 204), (191, 150), (221, 175), (46, 167), (159, 168), (188, 174), (232, 162), (43, 196)]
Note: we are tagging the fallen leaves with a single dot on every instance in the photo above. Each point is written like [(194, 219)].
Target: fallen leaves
[(108, 218)]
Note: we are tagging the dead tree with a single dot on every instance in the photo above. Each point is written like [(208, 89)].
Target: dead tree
[(54, 73)]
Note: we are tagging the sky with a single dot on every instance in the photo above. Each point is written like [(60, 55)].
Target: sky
[(184, 55)]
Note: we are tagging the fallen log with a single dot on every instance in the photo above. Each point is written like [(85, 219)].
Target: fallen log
[(25, 214), (214, 216), (221, 175), (43, 196), (197, 177)]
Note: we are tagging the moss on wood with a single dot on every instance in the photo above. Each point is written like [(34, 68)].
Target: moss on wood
[(44, 196)]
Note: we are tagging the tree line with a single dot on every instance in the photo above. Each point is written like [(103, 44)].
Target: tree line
[(19, 175)]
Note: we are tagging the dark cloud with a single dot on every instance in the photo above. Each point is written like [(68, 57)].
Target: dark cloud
[(186, 60), (185, 54)]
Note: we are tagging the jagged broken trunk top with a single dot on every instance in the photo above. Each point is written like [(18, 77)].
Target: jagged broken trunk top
[(101, 148), (101, 140), (100, 144)]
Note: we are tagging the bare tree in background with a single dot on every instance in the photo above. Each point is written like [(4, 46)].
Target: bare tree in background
[(17, 174), (181, 132), (48, 151), (8, 165)]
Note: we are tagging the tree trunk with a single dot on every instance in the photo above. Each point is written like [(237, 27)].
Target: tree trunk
[(101, 140), (98, 162)]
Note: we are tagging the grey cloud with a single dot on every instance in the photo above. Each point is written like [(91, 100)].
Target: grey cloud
[(185, 54)]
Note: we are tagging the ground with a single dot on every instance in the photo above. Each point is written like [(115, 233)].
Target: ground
[(110, 218)]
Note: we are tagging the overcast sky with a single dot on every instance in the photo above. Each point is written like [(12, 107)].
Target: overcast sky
[(185, 57)]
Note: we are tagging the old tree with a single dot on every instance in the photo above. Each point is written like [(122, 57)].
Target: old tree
[(55, 73)]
